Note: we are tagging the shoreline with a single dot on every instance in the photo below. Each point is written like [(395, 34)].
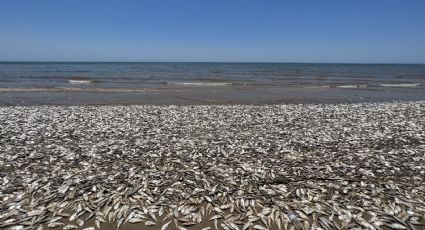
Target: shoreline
[(211, 96), (260, 166)]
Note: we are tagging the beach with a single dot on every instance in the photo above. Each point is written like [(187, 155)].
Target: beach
[(292, 166), (212, 115), (227, 95)]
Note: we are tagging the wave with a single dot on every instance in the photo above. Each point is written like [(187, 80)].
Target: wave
[(72, 81), (317, 87), (81, 80), (73, 89), (350, 86), (401, 85), (335, 86), (200, 83)]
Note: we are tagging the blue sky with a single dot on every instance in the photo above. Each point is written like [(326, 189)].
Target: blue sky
[(365, 31)]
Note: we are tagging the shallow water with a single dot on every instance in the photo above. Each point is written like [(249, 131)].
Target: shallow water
[(242, 81)]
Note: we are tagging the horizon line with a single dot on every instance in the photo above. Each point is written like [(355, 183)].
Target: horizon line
[(230, 62)]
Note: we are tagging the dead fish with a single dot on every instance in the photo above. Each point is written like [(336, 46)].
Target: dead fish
[(54, 224), (165, 226), (259, 227), (395, 226), (150, 223), (70, 226)]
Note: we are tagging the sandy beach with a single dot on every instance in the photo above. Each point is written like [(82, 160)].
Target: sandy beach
[(345, 166), (212, 115)]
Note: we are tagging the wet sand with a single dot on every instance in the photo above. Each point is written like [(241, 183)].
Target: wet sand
[(207, 95)]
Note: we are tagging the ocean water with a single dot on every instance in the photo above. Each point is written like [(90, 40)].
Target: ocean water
[(169, 75), (250, 82)]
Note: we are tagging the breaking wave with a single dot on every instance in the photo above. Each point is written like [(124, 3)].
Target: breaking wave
[(401, 85), (200, 83), (75, 81), (350, 86), (74, 89)]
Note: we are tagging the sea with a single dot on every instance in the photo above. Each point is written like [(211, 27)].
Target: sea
[(23, 82)]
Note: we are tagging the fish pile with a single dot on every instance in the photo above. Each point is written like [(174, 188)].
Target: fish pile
[(344, 166)]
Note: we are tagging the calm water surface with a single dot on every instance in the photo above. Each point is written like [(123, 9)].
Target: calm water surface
[(134, 75), (251, 77)]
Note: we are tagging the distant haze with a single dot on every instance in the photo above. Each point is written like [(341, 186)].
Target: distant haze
[(359, 31)]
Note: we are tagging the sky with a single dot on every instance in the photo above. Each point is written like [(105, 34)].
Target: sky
[(343, 31)]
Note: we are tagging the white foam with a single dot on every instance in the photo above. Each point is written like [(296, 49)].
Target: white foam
[(347, 86), (351, 86), (200, 83), (74, 89), (404, 85), (74, 81), (317, 87)]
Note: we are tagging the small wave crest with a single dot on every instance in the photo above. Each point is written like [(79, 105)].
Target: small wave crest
[(80, 80), (200, 83), (74, 89), (335, 86), (72, 81), (350, 86), (401, 85)]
